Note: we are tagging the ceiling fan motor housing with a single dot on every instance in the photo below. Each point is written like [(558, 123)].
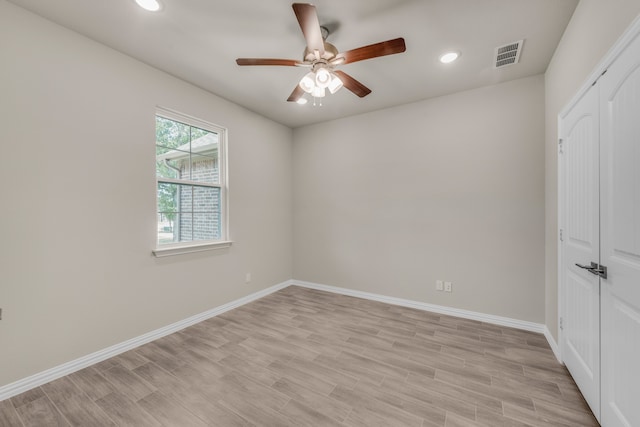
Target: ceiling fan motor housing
[(330, 52)]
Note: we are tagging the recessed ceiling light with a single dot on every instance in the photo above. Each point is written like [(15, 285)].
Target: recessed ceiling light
[(150, 5), (302, 101), (449, 57)]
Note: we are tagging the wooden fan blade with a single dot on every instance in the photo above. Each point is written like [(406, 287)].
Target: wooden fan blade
[(310, 26), (389, 47), (296, 94), (352, 84), (267, 61)]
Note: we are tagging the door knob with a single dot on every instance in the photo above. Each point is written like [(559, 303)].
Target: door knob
[(595, 268)]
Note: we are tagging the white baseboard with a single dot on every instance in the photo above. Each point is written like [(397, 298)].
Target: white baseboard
[(44, 377), (472, 315), (553, 344)]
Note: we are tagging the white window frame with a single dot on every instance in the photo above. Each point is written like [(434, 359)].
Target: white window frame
[(200, 245)]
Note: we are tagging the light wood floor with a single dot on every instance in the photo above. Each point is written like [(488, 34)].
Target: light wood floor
[(301, 357)]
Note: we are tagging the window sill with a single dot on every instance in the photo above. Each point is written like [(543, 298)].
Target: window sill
[(191, 248)]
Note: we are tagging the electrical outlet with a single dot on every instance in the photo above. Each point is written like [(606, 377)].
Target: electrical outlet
[(447, 286), (439, 285), (247, 278)]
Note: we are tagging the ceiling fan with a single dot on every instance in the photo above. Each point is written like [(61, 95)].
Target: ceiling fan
[(323, 57)]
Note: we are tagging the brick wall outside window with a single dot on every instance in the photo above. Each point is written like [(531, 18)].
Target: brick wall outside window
[(204, 223)]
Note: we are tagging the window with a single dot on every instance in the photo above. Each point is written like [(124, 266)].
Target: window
[(191, 184)]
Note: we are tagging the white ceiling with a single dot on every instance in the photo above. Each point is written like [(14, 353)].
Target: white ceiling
[(199, 40)]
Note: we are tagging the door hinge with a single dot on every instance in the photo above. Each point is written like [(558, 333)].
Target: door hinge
[(561, 235), (596, 81), (560, 143), (561, 325)]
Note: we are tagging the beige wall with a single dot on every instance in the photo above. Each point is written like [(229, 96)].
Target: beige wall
[(78, 199), (592, 31), (450, 188)]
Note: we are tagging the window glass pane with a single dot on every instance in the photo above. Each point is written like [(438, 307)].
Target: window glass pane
[(204, 156), (172, 164), (206, 217), (185, 224), (185, 198), (197, 133), (165, 230), (167, 198), (167, 169), (206, 226), (167, 212), (187, 213), (206, 199), (174, 213), (171, 135), (205, 169)]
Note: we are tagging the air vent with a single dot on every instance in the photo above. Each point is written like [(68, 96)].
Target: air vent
[(508, 54)]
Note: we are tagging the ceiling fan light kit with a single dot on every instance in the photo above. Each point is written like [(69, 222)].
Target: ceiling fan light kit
[(323, 78), (323, 57), (308, 82), (315, 82), (335, 84), (317, 92)]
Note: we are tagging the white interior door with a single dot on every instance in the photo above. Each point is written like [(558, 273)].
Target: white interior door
[(579, 221), (620, 210), (580, 316)]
